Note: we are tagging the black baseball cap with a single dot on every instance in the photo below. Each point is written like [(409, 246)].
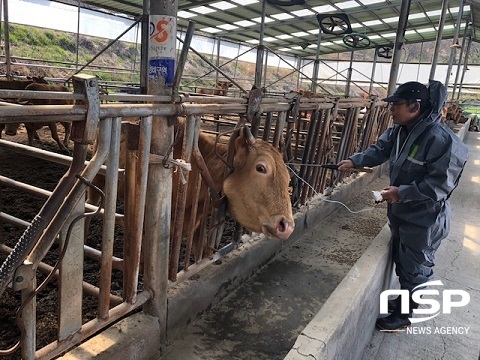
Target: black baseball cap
[(411, 90)]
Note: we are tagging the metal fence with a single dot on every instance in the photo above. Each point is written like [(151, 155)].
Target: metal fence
[(308, 132)]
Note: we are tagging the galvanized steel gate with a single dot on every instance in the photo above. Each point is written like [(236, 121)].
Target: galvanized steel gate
[(309, 132)]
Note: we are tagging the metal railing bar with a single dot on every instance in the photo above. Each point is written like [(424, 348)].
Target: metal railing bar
[(89, 289), (88, 329), (47, 155)]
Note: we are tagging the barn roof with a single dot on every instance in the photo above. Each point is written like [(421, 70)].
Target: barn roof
[(294, 29)]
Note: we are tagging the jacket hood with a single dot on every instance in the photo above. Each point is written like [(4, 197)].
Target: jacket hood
[(438, 96)]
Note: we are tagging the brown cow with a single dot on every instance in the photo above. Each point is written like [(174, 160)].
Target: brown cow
[(257, 189), (11, 129), (307, 93), (21, 84), (221, 89), (33, 127)]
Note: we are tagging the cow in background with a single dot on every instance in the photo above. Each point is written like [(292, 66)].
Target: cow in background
[(11, 129), (33, 127), (220, 89), (307, 93), (21, 84)]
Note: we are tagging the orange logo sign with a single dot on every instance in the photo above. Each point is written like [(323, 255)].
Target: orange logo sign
[(160, 34)]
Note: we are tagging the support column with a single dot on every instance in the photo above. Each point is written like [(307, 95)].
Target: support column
[(316, 64), (460, 59), (453, 50), (260, 50), (349, 74), (7, 40), (159, 80), (438, 40), (465, 66), (397, 49), (372, 77)]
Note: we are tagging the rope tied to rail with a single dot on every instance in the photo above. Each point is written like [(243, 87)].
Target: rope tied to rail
[(178, 164)]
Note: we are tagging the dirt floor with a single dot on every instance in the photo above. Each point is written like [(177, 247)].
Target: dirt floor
[(341, 241)]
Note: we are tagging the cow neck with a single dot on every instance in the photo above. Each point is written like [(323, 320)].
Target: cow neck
[(205, 143)]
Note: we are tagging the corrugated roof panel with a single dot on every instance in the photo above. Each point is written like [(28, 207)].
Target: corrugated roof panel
[(239, 20)]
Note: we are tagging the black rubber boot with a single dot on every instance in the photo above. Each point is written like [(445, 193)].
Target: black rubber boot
[(393, 322), (393, 303), (396, 320)]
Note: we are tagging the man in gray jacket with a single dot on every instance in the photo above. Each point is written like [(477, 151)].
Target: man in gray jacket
[(426, 160)]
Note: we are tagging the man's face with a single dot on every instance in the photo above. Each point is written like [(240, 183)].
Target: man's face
[(402, 112)]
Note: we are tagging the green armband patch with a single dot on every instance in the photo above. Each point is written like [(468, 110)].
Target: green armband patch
[(413, 150)]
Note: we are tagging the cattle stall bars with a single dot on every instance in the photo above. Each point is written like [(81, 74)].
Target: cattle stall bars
[(326, 130), (200, 230), (64, 207)]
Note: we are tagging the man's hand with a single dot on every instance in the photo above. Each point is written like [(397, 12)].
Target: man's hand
[(345, 165), (390, 194)]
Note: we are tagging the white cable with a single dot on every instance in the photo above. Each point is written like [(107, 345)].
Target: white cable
[(327, 200)]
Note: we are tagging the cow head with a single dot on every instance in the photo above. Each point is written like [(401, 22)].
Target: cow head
[(223, 87), (257, 189)]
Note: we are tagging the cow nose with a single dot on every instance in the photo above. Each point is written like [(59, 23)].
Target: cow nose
[(284, 227)]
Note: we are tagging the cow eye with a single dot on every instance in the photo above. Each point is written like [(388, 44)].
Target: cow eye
[(261, 168)]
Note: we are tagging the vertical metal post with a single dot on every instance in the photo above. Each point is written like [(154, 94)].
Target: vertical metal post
[(374, 66), (453, 50), (465, 65), (349, 74), (299, 64), (420, 60), (159, 79), (217, 61), (108, 229), (316, 64), (236, 62), (26, 282), (438, 41), (460, 58), (138, 145), (397, 49), (260, 49), (265, 68), (78, 35), (144, 47), (183, 56), (7, 40), (1, 11), (134, 62), (71, 277)]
